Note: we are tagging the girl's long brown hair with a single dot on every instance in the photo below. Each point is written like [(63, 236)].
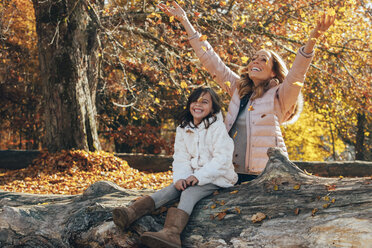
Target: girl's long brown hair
[(186, 118), (246, 85)]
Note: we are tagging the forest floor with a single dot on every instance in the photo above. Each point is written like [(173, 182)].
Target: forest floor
[(72, 172)]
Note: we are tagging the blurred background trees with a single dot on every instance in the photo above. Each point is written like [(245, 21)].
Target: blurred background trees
[(146, 68)]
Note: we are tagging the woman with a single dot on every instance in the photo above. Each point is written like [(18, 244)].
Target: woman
[(263, 97)]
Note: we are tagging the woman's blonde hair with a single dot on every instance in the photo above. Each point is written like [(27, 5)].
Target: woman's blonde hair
[(246, 85)]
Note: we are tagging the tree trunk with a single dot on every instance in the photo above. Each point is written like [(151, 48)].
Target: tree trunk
[(359, 143), (300, 211), (68, 53)]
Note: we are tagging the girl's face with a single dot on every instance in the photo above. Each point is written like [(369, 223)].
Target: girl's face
[(201, 108), (260, 68)]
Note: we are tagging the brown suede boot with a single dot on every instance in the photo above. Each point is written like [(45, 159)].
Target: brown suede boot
[(124, 217), (175, 222)]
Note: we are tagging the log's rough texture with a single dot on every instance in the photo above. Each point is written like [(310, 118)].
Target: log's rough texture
[(301, 211)]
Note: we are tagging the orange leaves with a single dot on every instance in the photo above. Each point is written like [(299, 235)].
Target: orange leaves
[(313, 212), (236, 133), (258, 217), (221, 215), (71, 172), (330, 187), (203, 38), (297, 211)]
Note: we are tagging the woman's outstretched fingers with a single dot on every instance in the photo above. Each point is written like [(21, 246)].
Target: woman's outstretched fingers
[(175, 11), (323, 23)]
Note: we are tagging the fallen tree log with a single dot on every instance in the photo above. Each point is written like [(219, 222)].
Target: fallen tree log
[(283, 207)]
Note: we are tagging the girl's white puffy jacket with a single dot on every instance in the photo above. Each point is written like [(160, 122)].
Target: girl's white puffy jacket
[(205, 153)]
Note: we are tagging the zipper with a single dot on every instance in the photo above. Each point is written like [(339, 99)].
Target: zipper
[(249, 135)]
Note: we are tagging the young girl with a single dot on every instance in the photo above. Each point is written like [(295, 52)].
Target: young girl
[(202, 164)]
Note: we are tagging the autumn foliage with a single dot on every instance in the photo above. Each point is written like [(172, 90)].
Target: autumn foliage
[(72, 172), (148, 69)]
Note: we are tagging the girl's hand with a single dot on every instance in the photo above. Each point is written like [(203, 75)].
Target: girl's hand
[(181, 185), (175, 11), (191, 181), (323, 23)]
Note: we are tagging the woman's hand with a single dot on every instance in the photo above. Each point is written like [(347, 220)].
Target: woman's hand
[(322, 24), (175, 11), (191, 181), (181, 185)]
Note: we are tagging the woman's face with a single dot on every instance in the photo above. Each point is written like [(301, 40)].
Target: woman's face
[(260, 67), (201, 108)]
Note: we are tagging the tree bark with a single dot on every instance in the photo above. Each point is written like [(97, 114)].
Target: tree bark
[(68, 53), (301, 211), (359, 144)]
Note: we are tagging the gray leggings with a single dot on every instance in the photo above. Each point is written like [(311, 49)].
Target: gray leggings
[(188, 198)]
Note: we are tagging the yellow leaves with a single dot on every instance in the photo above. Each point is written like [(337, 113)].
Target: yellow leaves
[(228, 83), (276, 187), (249, 40), (331, 12), (244, 59), (204, 48), (298, 84), (183, 84), (297, 187), (161, 83), (203, 38), (258, 217), (250, 108), (44, 203), (171, 19), (157, 100), (326, 205), (230, 42)]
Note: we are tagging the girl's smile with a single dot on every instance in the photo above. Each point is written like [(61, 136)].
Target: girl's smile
[(201, 108)]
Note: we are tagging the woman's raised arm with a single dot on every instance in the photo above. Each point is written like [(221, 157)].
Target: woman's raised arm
[(225, 77), (178, 13), (323, 23)]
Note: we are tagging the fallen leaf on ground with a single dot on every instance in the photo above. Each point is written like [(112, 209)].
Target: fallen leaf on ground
[(258, 217)]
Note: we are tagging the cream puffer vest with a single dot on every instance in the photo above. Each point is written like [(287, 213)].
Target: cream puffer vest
[(263, 129)]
